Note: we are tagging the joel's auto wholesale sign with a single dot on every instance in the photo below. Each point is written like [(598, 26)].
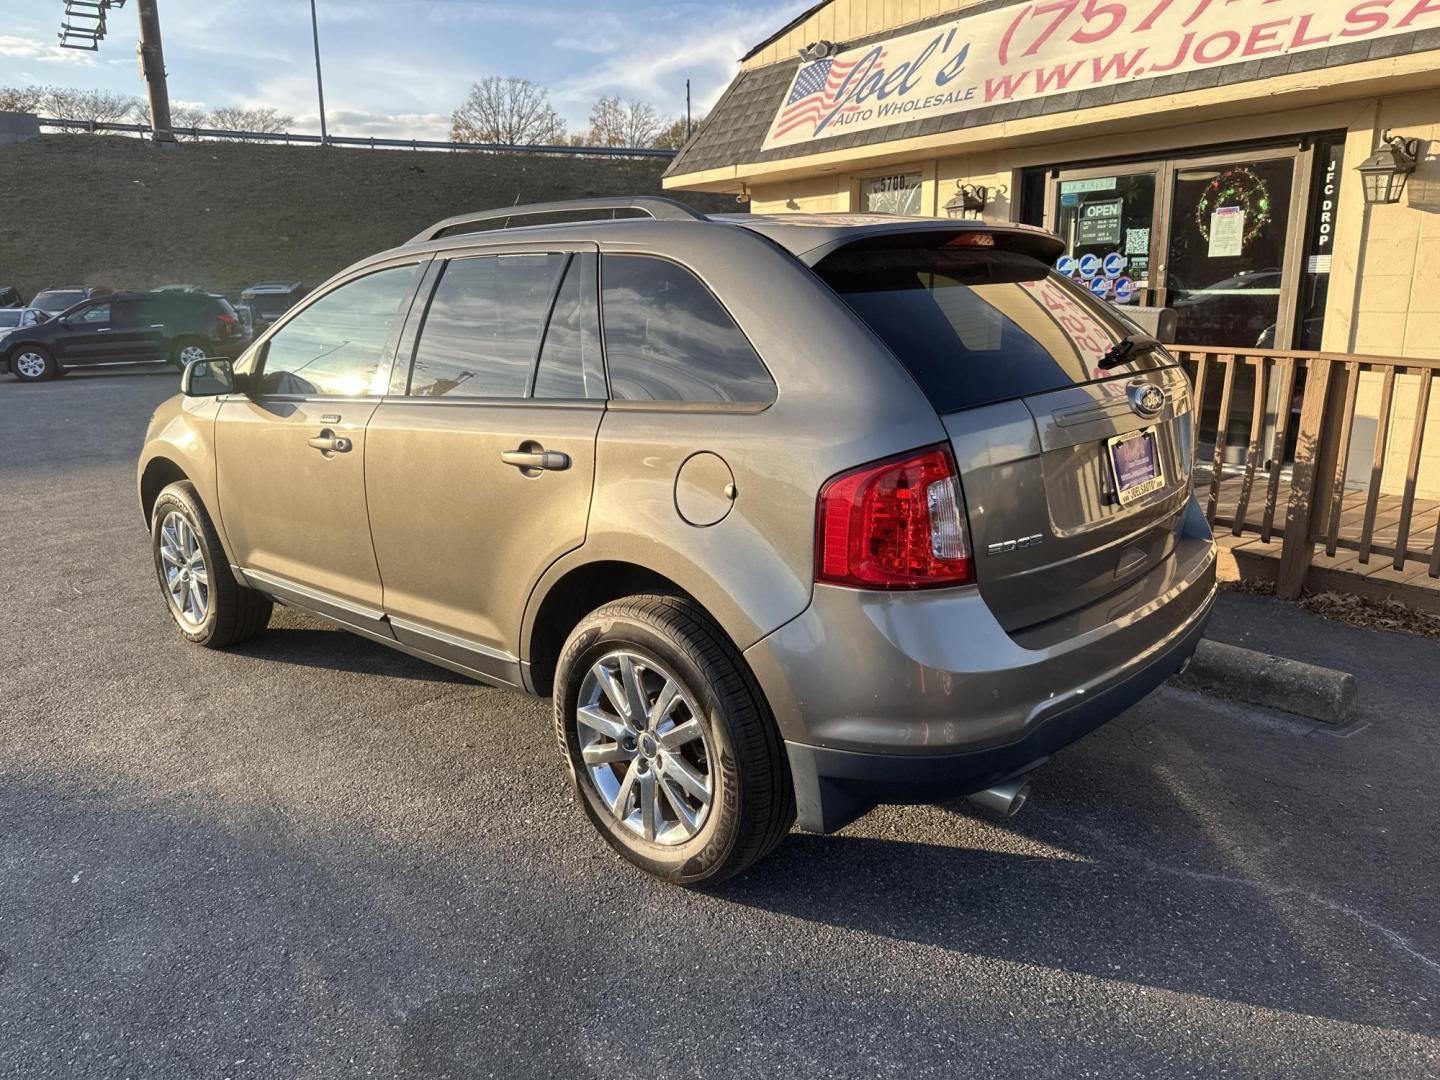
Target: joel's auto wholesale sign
[(1050, 47)]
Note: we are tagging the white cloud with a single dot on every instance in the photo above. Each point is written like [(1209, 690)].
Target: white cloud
[(44, 52), (655, 65)]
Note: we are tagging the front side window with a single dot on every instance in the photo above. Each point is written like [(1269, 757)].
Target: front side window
[(90, 316), (667, 338), (482, 332), (336, 346)]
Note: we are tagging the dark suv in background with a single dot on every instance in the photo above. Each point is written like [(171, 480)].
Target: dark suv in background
[(125, 328)]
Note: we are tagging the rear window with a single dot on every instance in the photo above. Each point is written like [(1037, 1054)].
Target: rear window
[(975, 325), (53, 301)]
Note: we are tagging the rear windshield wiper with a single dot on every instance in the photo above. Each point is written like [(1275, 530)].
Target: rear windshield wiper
[(1128, 348)]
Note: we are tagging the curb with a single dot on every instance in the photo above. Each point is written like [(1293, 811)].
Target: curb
[(1318, 693)]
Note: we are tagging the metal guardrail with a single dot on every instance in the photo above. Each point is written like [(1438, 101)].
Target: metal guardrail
[(355, 140)]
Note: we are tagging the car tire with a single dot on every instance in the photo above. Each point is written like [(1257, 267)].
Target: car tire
[(621, 768), (33, 363), (184, 350), (208, 605)]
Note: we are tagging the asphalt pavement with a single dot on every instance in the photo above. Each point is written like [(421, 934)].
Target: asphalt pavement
[(314, 857)]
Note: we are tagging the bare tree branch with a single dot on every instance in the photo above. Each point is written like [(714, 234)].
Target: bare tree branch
[(510, 111)]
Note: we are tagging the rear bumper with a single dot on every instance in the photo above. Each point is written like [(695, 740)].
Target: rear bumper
[(920, 696)]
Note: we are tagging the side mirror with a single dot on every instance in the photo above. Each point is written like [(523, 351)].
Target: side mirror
[(207, 378)]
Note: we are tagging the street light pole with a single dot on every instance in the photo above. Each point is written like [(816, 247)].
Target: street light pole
[(319, 79)]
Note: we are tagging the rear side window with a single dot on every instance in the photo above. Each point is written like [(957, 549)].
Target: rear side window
[(975, 325), (667, 338), (483, 330), (336, 346)]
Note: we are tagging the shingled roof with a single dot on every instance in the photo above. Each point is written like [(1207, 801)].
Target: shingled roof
[(735, 129)]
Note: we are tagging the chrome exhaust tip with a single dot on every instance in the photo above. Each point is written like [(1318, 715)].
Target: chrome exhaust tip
[(1004, 799)]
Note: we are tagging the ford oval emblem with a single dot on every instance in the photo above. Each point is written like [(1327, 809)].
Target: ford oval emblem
[(1147, 399)]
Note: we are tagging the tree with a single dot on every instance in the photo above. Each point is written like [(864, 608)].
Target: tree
[(674, 136), (97, 106), (509, 111), (63, 103), (236, 118), (620, 123), (189, 116), (20, 98)]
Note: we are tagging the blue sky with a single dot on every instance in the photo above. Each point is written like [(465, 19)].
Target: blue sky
[(398, 67)]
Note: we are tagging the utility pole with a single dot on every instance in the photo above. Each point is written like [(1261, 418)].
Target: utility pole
[(319, 80), (152, 69), (688, 129)]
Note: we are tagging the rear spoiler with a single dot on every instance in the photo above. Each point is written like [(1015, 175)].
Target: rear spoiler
[(1023, 239)]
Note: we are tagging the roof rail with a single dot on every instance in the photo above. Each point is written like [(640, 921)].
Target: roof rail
[(658, 207)]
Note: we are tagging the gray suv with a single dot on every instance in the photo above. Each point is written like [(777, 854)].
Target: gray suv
[(790, 515)]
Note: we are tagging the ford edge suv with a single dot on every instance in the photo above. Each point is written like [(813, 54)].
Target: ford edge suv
[(789, 515)]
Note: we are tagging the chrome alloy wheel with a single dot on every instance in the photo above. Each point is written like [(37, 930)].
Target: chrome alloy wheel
[(30, 364), (644, 747), (187, 579), (191, 353)]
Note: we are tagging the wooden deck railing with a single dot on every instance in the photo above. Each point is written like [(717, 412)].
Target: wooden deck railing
[(1311, 502)]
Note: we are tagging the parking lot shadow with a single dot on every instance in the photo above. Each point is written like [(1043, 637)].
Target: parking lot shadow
[(296, 638), (1137, 895)]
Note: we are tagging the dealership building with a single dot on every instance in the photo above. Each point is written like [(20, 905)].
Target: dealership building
[(1203, 155)]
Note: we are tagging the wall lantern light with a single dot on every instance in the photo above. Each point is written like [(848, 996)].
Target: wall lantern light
[(1383, 173), (968, 199)]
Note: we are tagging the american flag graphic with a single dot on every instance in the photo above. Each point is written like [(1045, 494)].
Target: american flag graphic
[(813, 96)]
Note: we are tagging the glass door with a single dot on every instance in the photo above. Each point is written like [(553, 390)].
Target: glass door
[(1228, 270), (1108, 219)]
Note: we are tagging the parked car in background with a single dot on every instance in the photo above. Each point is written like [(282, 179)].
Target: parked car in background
[(125, 328), (57, 298), (10, 297), (790, 515), (178, 288), (12, 318), (268, 300)]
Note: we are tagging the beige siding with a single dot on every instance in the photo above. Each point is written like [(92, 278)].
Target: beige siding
[(844, 21), (1388, 303)]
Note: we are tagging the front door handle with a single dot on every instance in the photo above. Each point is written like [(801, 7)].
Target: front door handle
[(535, 459), (327, 442)]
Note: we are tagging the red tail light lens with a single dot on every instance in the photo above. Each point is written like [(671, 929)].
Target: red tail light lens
[(895, 524), (226, 319)]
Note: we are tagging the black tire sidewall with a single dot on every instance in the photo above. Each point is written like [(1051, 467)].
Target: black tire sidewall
[(171, 500), (52, 368), (695, 859)]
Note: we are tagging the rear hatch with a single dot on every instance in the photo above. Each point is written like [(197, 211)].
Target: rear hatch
[(1075, 476)]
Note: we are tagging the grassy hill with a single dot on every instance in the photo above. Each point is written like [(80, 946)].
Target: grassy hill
[(115, 211)]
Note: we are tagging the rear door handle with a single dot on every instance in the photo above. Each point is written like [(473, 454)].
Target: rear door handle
[(535, 459), (328, 442)]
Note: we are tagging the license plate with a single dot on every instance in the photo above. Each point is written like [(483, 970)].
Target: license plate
[(1135, 465)]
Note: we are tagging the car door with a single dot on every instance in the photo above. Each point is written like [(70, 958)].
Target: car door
[(481, 460), (86, 335), (148, 316), (291, 450)]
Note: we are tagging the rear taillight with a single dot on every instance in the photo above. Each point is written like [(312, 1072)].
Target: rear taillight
[(229, 324), (894, 524)]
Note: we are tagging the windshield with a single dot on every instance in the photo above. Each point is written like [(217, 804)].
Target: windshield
[(57, 300), (978, 324)]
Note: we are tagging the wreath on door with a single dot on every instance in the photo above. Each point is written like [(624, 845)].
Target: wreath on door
[(1238, 186)]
